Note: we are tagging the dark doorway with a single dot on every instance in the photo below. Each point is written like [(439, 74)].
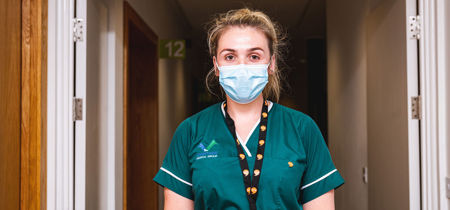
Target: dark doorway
[(317, 83), (140, 113)]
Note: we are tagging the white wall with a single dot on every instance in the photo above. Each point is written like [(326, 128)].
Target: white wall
[(165, 20), (446, 130), (447, 67), (347, 98), (96, 106)]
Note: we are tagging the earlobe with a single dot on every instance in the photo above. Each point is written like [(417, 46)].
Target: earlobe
[(271, 68), (272, 65)]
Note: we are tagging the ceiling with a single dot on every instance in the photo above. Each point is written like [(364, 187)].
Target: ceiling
[(288, 13)]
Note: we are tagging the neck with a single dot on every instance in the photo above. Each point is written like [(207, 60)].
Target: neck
[(237, 110)]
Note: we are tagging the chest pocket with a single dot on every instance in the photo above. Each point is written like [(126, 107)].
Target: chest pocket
[(280, 182), (217, 183)]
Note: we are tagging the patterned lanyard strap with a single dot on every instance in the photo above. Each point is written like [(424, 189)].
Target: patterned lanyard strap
[(251, 184)]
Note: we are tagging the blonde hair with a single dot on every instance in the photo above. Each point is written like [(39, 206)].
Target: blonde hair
[(250, 18)]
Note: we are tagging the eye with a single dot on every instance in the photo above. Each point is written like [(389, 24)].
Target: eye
[(254, 57), (229, 57)]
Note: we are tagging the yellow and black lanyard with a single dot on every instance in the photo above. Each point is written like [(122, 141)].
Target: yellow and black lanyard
[(251, 184)]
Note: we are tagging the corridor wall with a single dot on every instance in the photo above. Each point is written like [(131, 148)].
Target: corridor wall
[(167, 22), (368, 102), (347, 98)]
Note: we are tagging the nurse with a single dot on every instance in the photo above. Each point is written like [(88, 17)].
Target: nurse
[(247, 152)]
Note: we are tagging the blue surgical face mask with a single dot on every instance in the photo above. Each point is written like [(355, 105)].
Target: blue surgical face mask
[(243, 83)]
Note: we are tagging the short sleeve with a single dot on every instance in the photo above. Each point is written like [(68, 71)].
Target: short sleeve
[(175, 172), (320, 175)]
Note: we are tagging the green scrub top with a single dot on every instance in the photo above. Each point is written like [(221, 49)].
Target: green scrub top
[(202, 162)]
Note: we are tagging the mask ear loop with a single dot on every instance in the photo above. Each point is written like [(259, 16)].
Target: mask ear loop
[(268, 65), (216, 67)]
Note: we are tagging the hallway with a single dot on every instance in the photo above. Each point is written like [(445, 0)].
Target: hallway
[(353, 69), (89, 106)]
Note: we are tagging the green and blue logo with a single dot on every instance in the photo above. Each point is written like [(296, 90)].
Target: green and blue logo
[(206, 153), (206, 149)]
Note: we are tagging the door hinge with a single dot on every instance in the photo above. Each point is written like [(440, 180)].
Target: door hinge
[(78, 29), (365, 172), (415, 27), (447, 186), (77, 109), (416, 107)]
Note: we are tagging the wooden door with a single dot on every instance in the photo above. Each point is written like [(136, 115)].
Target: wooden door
[(10, 55), (141, 113), (23, 104)]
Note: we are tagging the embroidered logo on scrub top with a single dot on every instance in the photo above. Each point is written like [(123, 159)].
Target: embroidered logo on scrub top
[(206, 153)]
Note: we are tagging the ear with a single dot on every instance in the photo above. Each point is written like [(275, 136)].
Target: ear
[(216, 68), (272, 64)]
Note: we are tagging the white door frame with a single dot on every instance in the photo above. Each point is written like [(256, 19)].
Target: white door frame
[(80, 92), (434, 104), (66, 170), (413, 124), (59, 105)]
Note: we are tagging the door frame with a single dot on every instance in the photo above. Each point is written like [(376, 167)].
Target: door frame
[(61, 176), (413, 86), (129, 14), (79, 91), (435, 106), (60, 127)]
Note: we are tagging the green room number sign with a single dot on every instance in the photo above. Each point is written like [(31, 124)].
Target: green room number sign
[(172, 49)]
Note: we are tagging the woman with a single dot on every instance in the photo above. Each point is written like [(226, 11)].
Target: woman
[(247, 152)]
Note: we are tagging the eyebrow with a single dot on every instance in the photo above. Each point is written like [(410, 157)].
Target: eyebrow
[(232, 50), (227, 49), (256, 48)]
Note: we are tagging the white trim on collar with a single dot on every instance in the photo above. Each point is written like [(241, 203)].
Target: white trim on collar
[(223, 110), (244, 142)]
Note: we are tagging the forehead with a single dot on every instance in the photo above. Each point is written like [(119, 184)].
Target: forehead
[(242, 37)]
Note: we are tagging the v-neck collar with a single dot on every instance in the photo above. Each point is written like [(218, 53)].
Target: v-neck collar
[(244, 142)]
